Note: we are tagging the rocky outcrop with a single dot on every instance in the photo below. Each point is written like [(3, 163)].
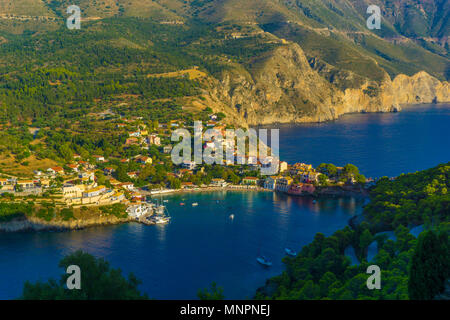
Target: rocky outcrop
[(281, 87), (36, 224), (420, 88)]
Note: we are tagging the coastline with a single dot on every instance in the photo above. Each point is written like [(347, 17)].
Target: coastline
[(34, 224)]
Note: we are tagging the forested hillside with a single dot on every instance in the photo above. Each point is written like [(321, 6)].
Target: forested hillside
[(256, 61), (412, 268)]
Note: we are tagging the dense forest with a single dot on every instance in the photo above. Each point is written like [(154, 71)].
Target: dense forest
[(67, 74), (411, 268)]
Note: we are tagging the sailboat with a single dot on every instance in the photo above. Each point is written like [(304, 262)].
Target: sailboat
[(264, 261), (290, 252), (160, 217)]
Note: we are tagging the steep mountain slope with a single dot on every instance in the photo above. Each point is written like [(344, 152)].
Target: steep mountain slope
[(282, 87), (114, 8), (266, 60), (25, 7)]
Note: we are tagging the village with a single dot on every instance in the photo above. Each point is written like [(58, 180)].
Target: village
[(98, 180)]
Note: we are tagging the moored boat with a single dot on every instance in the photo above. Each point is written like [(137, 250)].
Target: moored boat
[(264, 261), (290, 252), (161, 219)]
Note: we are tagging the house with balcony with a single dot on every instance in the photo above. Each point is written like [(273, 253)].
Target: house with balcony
[(218, 183), (270, 183), (283, 184), (26, 184), (250, 181), (71, 191), (94, 192)]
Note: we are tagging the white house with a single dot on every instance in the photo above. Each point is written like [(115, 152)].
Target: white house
[(127, 185), (94, 192), (218, 183), (139, 210), (99, 158)]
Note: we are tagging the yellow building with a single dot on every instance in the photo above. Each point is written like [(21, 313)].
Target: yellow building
[(94, 192), (73, 191), (26, 184)]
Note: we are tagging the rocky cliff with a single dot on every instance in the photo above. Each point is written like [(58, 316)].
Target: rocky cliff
[(37, 224), (282, 87)]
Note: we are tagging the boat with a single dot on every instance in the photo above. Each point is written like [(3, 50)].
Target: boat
[(181, 203), (160, 210), (161, 219), (290, 252), (160, 216), (165, 201), (140, 210), (264, 261), (195, 204), (231, 216)]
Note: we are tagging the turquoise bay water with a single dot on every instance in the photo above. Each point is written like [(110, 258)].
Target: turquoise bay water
[(202, 244)]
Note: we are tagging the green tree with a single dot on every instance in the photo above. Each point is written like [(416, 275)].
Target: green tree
[(175, 183), (215, 293), (327, 168), (350, 170), (323, 180), (365, 239), (98, 281), (429, 266)]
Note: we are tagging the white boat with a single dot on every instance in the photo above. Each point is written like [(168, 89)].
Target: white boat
[(290, 252), (231, 216), (160, 209), (161, 219), (195, 204), (264, 261), (165, 201)]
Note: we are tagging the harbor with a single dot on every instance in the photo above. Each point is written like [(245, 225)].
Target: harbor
[(149, 213)]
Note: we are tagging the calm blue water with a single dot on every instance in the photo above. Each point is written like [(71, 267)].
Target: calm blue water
[(202, 244), (380, 144)]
